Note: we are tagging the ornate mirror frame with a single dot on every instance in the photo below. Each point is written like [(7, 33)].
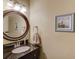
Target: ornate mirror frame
[(5, 36)]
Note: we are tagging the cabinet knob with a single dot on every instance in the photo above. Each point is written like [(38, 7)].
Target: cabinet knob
[(34, 54)]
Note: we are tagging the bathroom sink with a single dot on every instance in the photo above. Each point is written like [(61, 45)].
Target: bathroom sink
[(21, 49)]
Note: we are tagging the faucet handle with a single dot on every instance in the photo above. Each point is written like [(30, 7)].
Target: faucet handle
[(24, 42), (17, 44)]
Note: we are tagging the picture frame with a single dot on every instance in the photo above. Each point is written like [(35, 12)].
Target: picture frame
[(65, 23)]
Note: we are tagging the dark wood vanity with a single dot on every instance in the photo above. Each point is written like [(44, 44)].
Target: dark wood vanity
[(32, 53), (18, 29)]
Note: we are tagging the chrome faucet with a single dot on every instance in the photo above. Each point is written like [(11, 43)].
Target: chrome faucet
[(17, 44)]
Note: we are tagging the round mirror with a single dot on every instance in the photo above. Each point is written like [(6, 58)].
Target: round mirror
[(15, 25)]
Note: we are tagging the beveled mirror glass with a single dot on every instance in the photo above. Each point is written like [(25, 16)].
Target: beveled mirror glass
[(15, 25)]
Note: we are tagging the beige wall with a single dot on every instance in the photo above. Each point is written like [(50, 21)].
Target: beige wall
[(5, 7), (56, 45)]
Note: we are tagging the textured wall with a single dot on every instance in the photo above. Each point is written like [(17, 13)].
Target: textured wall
[(56, 45)]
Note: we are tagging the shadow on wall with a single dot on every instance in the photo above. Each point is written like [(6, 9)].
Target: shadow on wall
[(42, 54)]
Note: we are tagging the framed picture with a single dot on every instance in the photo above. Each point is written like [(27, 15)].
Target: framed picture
[(65, 23)]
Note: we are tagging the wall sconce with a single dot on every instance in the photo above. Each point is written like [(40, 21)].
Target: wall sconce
[(10, 3), (23, 9), (17, 7), (13, 4)]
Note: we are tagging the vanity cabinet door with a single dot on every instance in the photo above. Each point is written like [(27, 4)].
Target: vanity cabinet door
[(32, 55), (28, 56), (36, 54)]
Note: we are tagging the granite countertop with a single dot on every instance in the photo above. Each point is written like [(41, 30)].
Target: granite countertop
[(7, 54)]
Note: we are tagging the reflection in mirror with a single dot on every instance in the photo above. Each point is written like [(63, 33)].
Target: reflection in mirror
[(15, 25)]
